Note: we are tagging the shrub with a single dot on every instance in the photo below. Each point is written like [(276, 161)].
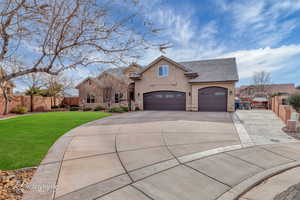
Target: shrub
[(53, 107), (98, 108), (294, 101), (74, 108), (124, 108), (73, 105), (87, 109), (116, 110), (19, 110), (137, 109)]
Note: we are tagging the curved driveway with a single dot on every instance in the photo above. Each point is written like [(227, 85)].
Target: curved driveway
[(153, 155)]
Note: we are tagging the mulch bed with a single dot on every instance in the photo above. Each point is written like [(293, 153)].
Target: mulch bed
[(12, 182)]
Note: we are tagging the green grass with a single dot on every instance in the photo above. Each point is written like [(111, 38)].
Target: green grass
[(25, 140)]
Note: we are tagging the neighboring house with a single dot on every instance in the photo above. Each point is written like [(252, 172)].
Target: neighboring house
[(205, 85), (260, 98), (110, 89), (251, 91)]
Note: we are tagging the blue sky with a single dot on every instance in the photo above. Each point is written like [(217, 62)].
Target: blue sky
[(261, 34)]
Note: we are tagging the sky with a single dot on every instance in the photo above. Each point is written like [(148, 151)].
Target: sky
[(261, 34)]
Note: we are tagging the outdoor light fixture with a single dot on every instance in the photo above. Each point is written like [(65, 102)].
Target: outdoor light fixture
[(230, 92), (189, 93), (138, 94)]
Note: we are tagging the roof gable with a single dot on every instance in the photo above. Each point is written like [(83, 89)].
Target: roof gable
[(166, 59)]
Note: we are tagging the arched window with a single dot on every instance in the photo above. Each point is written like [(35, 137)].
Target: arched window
[(90, 98)]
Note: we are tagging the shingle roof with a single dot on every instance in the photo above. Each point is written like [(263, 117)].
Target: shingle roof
[(224, 69)]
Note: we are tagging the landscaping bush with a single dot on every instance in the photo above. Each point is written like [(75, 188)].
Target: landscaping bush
[(53, 107), (19, 110), (137, 109), (124, 108), (87, 109), (116, 110), (74, 108), (294, 101), (98, 108), (73, 105)]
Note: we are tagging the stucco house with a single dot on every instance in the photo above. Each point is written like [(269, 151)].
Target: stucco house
[(164, 84), (204, 85), (112, 88)]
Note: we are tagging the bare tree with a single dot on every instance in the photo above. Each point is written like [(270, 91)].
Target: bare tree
[(4, 87), (52, 36), (261, 80)]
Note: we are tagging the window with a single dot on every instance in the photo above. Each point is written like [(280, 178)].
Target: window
[(90, 98), (163, 71), (118, 97), (170, 96)]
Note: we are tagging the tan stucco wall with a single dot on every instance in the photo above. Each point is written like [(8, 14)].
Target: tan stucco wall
[(176, 81), (230, 98)]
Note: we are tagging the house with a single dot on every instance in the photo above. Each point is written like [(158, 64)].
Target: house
[(251, 91), (111, 88), (204, 85), (259, 97)]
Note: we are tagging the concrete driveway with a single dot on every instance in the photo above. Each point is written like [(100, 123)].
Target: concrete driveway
[(154, 155)]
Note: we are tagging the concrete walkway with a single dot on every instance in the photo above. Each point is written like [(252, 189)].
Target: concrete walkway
[(263, 127), (158, 155)]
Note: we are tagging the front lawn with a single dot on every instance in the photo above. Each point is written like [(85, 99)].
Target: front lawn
[(25, 140)]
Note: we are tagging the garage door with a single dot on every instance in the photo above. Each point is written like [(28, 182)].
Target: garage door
[(164, 100), (212, 99)]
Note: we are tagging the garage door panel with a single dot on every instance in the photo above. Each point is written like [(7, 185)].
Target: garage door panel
[(212, 99), (164, 100)]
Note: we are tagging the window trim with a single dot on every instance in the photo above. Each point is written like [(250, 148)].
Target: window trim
[(163, 67)]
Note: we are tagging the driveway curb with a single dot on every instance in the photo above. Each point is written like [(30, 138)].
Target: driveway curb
[(245, 186)]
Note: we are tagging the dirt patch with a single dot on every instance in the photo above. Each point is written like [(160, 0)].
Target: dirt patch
[(12, 182)]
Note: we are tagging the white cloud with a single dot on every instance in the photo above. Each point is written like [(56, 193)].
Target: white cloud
[(264, 22), (268, 59)]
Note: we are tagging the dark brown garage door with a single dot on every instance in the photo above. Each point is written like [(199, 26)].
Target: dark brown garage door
[(212, 99), (164, 100)]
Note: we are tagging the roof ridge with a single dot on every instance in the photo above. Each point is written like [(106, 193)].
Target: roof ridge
[(212, 59)]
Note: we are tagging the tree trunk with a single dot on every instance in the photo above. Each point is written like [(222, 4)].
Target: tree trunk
[(54, 99), (31, 103), (6, 101)]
